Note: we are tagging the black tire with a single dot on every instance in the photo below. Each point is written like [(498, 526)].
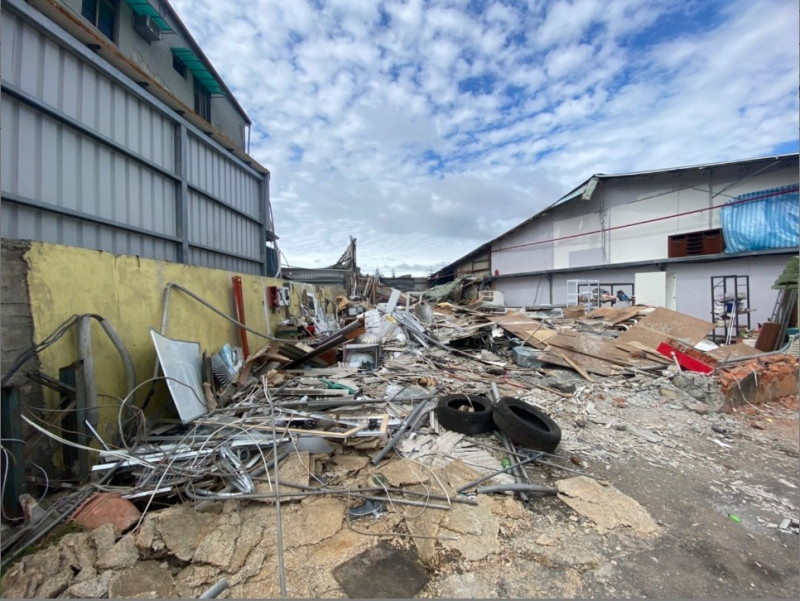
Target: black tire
[(527, 425), (465, 413)]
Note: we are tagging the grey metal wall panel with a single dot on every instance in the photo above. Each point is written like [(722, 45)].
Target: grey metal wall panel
[(53, 165), (24, 223), (212, 224), (220, 177), (91, 160), (47, 71), (215, 260)]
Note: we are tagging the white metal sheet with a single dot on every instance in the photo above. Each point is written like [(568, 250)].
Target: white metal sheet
[(183, 367)]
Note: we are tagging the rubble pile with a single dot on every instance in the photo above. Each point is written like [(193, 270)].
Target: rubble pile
[(437, 419)]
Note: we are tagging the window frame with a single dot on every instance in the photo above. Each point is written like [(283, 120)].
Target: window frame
[(202, 100), (113, 8)]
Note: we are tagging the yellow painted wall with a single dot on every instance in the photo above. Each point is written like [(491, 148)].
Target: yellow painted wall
[(129, 292)]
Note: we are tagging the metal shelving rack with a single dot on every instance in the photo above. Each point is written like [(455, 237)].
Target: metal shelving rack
[(730, 306)]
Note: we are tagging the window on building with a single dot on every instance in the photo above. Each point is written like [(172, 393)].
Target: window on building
[(202, 101), (179, 66), (102, 14), (706, 242)]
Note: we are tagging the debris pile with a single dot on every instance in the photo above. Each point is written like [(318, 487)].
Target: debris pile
[(384, 410)]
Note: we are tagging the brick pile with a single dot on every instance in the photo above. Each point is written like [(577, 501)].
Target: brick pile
[(760, 380)]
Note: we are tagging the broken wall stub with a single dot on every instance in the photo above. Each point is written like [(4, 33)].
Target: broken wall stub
[(702, 388), (46, 284), (17, 333), (759, 381)]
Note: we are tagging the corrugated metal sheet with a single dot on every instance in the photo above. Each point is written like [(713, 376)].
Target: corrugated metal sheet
[(320, 277), (91, 160)]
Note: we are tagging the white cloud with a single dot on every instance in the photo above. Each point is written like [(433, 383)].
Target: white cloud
[(426, 137)]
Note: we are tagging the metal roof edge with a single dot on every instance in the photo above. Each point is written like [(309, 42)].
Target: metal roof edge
[(655, 262)]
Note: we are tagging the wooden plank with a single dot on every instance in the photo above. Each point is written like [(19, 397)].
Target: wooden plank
[(768, 336), (637, 347), (576, 367), (663, 324)]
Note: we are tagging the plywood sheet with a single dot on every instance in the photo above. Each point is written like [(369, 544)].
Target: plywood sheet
[(593, 346), (590, 364), (523, 327), (663, 324), (733, 351)]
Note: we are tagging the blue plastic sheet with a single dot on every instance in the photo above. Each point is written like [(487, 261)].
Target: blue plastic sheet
[(762, 220)]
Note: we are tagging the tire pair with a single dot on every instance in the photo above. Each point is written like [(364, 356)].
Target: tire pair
[(523, 423)]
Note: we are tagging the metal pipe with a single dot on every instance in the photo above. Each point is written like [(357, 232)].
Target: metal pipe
[(219, 586), (520, 488), (89, 401), (400, 432), (517, 478), (130, 370), (497, 473)]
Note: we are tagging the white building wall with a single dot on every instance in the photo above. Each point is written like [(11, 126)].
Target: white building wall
[(654, 206), (528, 249), (525, 291), (663, 197)]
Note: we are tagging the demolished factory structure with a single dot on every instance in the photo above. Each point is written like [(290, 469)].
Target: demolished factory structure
[(154, 350)]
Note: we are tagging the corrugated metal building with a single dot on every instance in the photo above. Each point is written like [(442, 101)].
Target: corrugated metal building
[(106, 145)]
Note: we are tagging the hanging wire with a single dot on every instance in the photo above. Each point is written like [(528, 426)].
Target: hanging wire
[(279, 525)]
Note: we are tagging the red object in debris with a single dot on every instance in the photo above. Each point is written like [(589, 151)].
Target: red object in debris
[(106, 508), (684, 360), (238, 299)]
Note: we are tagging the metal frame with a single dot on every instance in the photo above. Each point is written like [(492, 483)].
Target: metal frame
[(183, 128)]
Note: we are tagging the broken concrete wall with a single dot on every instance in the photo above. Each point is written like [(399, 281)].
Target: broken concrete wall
[(16, 331), (56, 282)]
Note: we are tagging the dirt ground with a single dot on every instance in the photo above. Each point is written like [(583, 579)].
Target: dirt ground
[(679, 502)]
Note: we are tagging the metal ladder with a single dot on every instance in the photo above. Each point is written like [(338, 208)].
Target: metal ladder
[(782, 312)]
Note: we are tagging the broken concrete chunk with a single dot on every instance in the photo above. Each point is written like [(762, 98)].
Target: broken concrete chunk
[(104, 538), (314, 520), (606, 506), (95, 588), (176, 530), (403, 472), (147, 579), (122, 555)]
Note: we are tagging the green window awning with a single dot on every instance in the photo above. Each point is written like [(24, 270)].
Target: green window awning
[(198, 69), (145, 9)]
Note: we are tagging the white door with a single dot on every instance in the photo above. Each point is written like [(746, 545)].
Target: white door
[(656, 288)]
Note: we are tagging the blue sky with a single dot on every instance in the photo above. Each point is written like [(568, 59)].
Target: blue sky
[(426, 128)]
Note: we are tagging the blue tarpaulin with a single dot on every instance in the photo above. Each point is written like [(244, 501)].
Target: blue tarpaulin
[(762, 220)]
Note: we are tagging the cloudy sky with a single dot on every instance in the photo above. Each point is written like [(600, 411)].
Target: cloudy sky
[(426, 128)]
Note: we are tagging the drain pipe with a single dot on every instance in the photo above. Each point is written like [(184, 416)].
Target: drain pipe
[(87, 405), (86, 356), (781, 351)]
